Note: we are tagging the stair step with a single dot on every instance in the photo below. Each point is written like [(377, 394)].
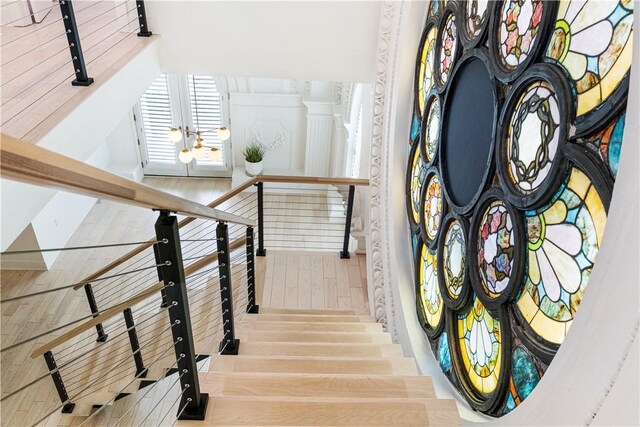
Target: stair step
[(317, 385), (242, 411), (317, 337), (343, 318), (309, 326), (317, 365), (315, 349), (270, 310)]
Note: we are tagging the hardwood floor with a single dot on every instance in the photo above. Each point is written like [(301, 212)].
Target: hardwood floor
[(36, 65), (301, 280)]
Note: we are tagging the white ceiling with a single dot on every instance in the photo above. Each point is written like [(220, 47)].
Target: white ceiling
[(310, 40)]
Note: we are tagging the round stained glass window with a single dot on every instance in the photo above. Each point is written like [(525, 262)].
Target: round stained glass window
[(448, 48), (431, 130), (514, 202), (425, 79), (432, 207)]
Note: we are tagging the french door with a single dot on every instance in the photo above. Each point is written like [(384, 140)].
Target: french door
[(192, 102)]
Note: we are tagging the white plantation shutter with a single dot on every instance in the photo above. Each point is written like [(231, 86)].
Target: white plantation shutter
[(155, 108), (206, 112)]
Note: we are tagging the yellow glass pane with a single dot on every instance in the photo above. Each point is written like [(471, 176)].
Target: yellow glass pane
[(596, 209), (579, 183), (548, 329)]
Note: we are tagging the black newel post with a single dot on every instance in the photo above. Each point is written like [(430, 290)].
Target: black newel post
[(102, 337), (261, 250), (73, 38), (229, 344), (142, 19), (57, 381), (194, 402), (252, 307), (347, 226)]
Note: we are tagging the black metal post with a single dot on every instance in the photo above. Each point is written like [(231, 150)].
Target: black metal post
[(141, 371), (252, 307), (142, 20), (57, 381), (229, 344), (347, 227), (102, 337), (163, 292), (194, 402), (73, 38), (261, 250)]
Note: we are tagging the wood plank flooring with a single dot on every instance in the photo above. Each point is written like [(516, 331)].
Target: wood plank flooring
[(36, 65)]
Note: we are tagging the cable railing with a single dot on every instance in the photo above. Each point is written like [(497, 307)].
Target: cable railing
[(66, 46), (156, 317)]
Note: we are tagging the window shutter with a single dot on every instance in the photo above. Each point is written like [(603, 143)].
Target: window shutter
[(203, 92), (155, 108)]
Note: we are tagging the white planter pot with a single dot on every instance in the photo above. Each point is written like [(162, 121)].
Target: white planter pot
[(253, 169)]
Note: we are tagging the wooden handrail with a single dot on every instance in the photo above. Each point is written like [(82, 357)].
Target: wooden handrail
[(119, 308), (32, 164), (227, 196)]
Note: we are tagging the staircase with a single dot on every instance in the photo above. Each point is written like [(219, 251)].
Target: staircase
[(319, 368)]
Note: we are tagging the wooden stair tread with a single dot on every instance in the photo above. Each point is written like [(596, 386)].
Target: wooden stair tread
[(315, 337), (320, 349), (309, 326), (272, 310), (330, 318), (363, 412), (317, 385), (328, 365)]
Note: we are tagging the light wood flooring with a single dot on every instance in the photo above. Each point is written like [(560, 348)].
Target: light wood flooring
[(36, 69)]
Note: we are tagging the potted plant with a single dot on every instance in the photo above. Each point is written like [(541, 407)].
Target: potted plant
[(253, 156)]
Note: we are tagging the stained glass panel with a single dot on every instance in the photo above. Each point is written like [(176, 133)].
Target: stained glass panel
[(481, 347), (496, 250), (519, 25), (418, 172), (563, 240), (592, 40), (609, 142), (524, 377), (427, 68), (430, 296), (532, 138), (433, 207), (432, 129), (448, 47), (476, 15), (454, 259)]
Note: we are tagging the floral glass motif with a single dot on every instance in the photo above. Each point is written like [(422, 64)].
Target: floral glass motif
[(496, 249), (519, 25), (476, 15), (454, 259), (433, 129), (609, 142), (433, 207), (592, 40), (448, 47), (430, 296), (418, 172), (532, 139), (481, 347), (563, 241), (427, 67)]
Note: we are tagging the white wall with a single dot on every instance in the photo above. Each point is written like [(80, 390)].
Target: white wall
[(314, 40), (593, 378)]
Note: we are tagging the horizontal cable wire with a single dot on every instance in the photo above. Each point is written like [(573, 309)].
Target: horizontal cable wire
[(71, 399), (75, 248), (173, 404), (99, 15), (162, 398), (117, 42), (29, 15)]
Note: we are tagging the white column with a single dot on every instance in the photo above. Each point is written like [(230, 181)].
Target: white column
[(320, 123)]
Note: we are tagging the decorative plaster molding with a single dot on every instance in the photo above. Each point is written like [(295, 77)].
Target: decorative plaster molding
[(384, 307)]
